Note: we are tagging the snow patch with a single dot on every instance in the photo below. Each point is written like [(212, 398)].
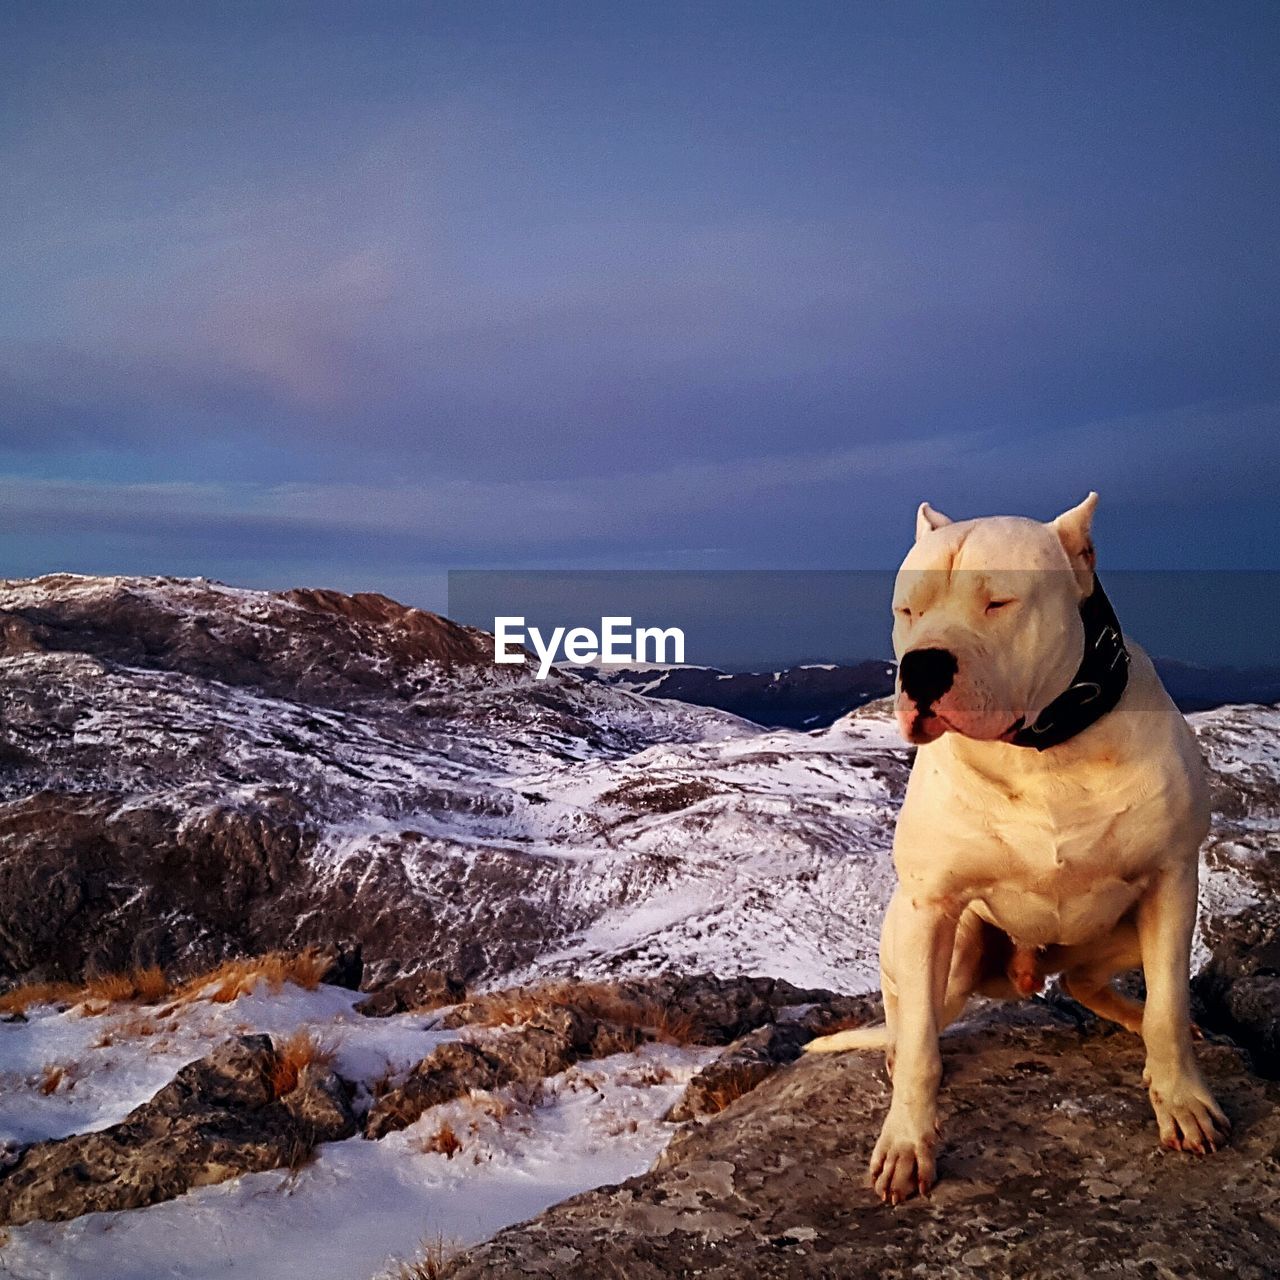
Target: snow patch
[(362, 1206)]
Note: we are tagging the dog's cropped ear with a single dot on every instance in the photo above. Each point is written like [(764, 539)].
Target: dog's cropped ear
[(1073, 530), (927, 520)]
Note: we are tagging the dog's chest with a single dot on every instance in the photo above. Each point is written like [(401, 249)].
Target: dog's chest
[(1065, 865)]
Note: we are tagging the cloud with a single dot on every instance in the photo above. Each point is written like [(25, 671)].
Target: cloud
[(422, 281), (1139, 463)]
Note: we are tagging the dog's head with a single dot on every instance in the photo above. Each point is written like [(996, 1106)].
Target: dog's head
[(987, 627)]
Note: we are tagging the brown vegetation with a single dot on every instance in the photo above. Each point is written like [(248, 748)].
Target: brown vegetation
[(651, 1074), (428, 1265), (593, 999), (140, 1027), (496, 1106), (294, 1053), (20, 999), (670, 1026), (150, 985), (235, 978), (383, 1083), (444, 1142), (642, 796), (728, 1089), (50, 1078)]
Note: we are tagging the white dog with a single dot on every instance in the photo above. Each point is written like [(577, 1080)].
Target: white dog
[(1052, 823)]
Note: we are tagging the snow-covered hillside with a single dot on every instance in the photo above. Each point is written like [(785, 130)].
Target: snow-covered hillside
[(208, 782), (199, 770)]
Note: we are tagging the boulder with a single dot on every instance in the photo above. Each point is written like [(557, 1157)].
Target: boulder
[(427, 990), (218, 1118), (345, 965), (550, 1042), (1050, 1168), (754, 1057), (704, 1008)]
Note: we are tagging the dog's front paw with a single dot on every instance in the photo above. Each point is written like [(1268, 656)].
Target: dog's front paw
[(903, 1160), (1188, 1116)]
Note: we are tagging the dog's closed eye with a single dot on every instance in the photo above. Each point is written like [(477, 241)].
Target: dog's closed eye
[(993, 605)]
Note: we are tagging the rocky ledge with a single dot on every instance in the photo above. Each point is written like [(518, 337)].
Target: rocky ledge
[(239, 1110), (1050, 1168)]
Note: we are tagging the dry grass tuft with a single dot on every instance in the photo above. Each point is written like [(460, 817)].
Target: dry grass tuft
[(594, 999), (294, 1053), (732, 1086), (429, 1264), (444, 1142), (306, 968), (149, 985), (235, 978), (383, 1084), (512, 1008), (673, 1027), (300, 1152), (110, 988), (20, 999), (97, 994), (141, 986), (51, 1078)]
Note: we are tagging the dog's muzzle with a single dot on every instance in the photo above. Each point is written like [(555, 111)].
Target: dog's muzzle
[(926, 674)]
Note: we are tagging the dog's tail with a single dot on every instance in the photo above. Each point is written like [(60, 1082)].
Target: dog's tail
[(876, 1037)]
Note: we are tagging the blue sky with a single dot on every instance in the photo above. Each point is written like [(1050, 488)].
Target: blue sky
[(353, 294)]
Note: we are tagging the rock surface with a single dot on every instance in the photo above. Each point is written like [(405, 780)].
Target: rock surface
[(754, 1057), (1050, 1169), (218, 1118), (714, 1009), (426, 990), (1238, 990)]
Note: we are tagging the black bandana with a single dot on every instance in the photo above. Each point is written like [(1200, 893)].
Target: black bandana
[(1097, 685)]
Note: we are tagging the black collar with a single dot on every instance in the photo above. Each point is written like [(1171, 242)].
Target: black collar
[(1096, 686)]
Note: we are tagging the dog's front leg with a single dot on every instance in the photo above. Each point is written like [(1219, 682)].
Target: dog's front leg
[(923, 938), (1188, 1116)]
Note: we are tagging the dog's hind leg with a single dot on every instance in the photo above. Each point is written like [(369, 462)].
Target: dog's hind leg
[(1087, 974), (1104, 1000)]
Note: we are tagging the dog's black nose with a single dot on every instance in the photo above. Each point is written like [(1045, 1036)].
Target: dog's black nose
[(926, 674)]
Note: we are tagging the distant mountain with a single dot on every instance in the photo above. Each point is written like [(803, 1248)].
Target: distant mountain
[(812, 696), (816, 695), (189, 770), (1203, 688)]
